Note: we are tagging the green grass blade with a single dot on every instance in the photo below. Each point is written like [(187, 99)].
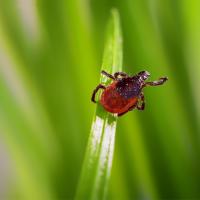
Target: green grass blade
[(98, 159)]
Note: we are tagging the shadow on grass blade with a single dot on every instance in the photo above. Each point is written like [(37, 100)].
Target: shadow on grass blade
[(97, 165)]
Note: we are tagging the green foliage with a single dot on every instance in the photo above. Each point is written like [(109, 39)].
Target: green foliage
[(99, 155), (50, 58)]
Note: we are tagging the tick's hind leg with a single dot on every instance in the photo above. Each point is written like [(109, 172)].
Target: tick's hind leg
[(100, 86), (156, 83), (131, 108), (122, 74), (107, 74), (116, 75), (120, 114), (141, 102)]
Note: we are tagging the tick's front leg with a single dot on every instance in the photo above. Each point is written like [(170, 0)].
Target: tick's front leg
[(156, 83), (100, 86), (141, 102)]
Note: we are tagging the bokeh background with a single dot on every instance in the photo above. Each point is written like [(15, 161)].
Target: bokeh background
[(50, 59)]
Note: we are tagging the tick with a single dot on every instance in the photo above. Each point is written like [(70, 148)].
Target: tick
[(125, 92)]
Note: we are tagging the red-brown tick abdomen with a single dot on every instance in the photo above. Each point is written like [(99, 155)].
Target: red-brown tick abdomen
[(113, 102)]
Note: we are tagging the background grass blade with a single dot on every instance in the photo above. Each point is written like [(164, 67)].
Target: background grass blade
[(45, 111), (98, 159)]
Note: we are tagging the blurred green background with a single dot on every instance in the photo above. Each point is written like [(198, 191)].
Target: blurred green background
[(50, 59)]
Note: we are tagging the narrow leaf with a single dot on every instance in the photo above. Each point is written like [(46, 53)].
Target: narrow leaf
[(97, 165)]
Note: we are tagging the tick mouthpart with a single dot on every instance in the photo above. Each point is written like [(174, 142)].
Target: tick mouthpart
[(144, 74)]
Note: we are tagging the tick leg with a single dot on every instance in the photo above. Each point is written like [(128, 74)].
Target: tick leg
[(120, 114), (100, 86), (141, 102), (131, 108), (156, 83), (107, 74), (116, 74)]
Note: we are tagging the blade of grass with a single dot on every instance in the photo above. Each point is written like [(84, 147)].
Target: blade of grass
[(26, 138), (97, 165)]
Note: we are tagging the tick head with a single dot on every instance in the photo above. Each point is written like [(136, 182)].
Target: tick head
[(144, 75)]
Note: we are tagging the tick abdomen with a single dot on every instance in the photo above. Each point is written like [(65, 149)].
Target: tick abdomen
[(114, 102)]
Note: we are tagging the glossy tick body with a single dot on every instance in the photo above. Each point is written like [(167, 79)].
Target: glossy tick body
[(125, 92)]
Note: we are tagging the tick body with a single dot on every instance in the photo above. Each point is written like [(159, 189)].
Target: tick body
[(125, 93)]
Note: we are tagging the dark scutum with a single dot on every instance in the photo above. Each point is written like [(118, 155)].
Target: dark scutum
[(128, 87)]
